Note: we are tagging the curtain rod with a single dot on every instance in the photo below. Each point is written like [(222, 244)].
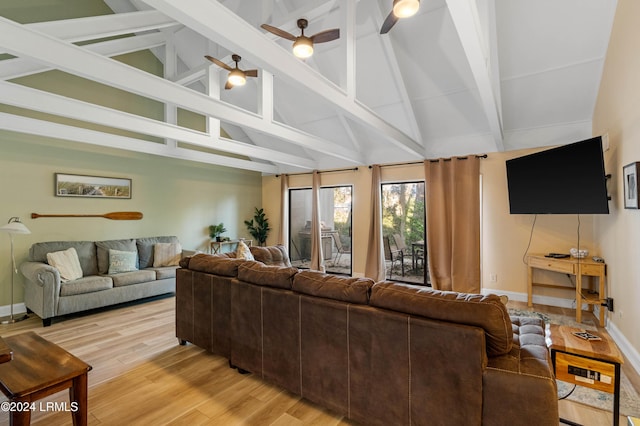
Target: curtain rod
[(352, 169), (433, 161)]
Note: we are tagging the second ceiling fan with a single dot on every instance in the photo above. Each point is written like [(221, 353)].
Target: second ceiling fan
[(237, 77), (303, 45)]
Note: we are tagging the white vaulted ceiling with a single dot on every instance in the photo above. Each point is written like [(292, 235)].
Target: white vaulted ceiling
[(460, 77)]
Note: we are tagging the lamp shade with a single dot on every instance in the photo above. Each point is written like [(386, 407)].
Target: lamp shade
[(237, 78), (15, 227), (405, 8), (303, 47)]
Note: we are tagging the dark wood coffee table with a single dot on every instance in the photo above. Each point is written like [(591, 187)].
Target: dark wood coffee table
[(594, 364), (38, 369)]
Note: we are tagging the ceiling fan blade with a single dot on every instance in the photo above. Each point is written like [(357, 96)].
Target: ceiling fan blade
[(251, 73), (327, 35), (388, 23), (218, 62), (228, 86), (278, 32)]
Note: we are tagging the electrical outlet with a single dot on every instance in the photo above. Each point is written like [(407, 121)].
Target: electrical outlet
[(493, 278)]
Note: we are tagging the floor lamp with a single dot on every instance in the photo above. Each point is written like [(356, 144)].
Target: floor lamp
[(14, 226)]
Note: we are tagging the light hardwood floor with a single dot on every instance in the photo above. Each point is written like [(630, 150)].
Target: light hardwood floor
[(141, 376)]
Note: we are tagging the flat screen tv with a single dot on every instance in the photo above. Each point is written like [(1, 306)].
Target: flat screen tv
[(569, 179)]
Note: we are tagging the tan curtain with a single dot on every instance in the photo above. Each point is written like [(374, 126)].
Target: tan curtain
[(317, 258), (375, 266), (283, 235), (453, 223)]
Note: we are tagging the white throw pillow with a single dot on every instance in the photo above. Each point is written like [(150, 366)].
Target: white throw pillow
[(122, 261), (243, 252), (166, 254), (67, 264)]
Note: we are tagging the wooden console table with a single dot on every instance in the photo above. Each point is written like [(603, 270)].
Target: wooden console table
[(216, 246), (576, 267), (594, 364)]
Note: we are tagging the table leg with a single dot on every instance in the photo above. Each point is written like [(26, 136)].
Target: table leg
[(579, 296), (78, 394), (22, 417), (530, 286), (616, 395)]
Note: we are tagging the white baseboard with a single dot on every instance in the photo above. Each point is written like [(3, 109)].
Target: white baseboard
[(18, 308), (623, 344)]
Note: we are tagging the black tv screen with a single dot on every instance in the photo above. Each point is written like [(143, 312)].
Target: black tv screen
[(569, 179)]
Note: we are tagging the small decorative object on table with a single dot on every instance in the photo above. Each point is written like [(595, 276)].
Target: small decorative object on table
[(584, 334), (579, 254), (216, 230)]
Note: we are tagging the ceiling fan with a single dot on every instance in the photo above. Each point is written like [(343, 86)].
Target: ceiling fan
[(303, 45), (401, 9), (237, 77)]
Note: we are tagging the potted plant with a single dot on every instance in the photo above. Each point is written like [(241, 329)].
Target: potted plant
[(258, 227), (216, 230)]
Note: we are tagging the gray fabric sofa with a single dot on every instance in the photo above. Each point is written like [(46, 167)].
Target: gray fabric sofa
[(378, 353), (48, 296)]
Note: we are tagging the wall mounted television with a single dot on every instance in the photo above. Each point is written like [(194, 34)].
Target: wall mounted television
[(569, 179)]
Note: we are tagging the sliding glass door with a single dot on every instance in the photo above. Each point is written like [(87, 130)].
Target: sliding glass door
[(404, 232), (335, 218)]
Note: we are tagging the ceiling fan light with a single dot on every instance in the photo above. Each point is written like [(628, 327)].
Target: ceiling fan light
[(303, 47), (237, 78), (405, 8)]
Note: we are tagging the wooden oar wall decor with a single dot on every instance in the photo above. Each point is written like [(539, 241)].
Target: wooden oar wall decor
[(112, 216)]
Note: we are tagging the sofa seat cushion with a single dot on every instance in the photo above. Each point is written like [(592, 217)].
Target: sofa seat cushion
[(271, 255), (486, 312), (164, 272), (314, 283), (84, 285), (266, 275), (214, 264), (103, 248), (133, 277)]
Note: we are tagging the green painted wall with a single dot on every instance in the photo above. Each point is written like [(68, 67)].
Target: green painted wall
[(176, 197)]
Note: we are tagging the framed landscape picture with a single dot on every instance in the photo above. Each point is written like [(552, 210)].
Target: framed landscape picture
[(630, 177), (67, 185)]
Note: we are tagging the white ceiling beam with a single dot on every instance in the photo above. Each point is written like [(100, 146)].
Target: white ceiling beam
[(43, 128), (19, 67), (103, 26), (464, 14), (396, 75), (217, 23), (37, 100), (73, 59)]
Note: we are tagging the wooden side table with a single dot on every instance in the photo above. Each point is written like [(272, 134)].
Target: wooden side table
[(591, 363), (38, 369), (578, 268)]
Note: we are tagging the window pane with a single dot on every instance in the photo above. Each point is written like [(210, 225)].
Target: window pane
[(335, 218), (403, 230)]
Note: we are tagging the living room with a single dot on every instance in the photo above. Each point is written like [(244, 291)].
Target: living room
[(181, 197)]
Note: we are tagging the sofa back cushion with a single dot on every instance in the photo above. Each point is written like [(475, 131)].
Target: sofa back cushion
[(486, 312), (271, 255), (266, 275), (103, 248), (213, 264), (145, 248), (86, 251), (314, 283)]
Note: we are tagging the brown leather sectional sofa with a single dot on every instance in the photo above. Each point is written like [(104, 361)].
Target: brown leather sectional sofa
[(378, 353)]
